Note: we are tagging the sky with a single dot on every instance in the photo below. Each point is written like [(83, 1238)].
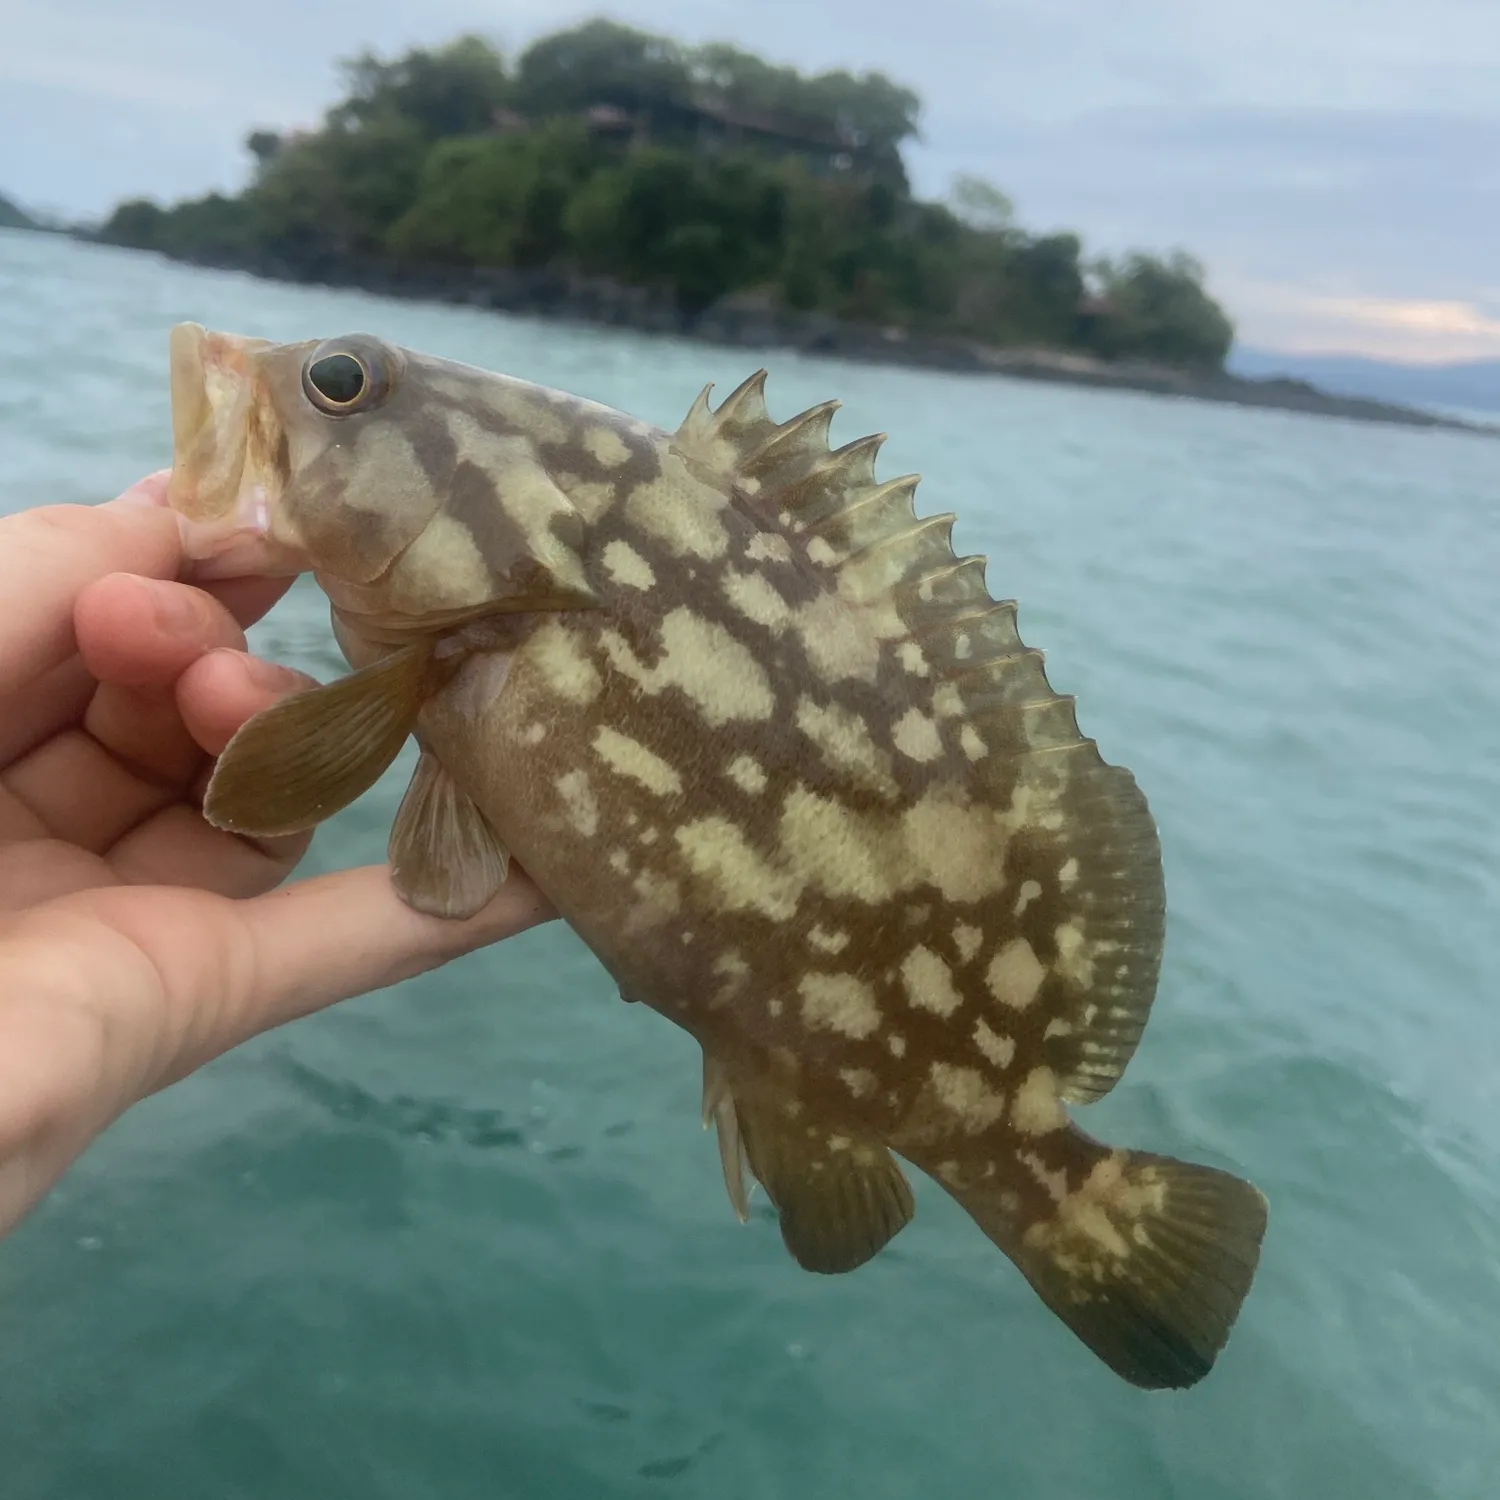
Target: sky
[(1334, 163)]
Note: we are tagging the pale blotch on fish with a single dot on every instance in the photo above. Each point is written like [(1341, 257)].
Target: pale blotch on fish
[(778, 757), (626, 566)]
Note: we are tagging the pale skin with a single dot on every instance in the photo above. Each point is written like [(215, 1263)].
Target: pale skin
[(137, 943)]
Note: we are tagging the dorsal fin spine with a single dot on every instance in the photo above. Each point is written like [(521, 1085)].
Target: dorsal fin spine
[(797, 442), (743, 408), (959, 584), (871, 517), (699, 420)]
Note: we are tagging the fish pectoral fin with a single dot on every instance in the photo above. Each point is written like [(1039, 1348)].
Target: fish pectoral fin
[(1147, 1260), (297, 763), (841, 1198), (445, 858)]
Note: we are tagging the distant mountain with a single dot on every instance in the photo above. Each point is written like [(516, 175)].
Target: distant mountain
[(11, 216), (1473, 384)]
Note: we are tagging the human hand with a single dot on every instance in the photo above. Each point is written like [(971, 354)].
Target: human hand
[(137, 942)]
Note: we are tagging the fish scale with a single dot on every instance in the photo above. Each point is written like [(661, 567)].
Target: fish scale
[(778, 757)]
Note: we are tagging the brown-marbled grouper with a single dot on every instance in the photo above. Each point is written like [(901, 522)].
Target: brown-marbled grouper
[(778, 757)]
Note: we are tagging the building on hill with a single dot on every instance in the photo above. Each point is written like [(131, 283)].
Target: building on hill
[(709, 125)]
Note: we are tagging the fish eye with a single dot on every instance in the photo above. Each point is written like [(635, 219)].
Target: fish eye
[(347, 376), (338, 378)]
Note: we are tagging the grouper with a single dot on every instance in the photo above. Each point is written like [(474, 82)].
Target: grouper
[(776, 755)]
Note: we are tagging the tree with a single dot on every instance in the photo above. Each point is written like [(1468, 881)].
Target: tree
[(1157, 309), (452, 91), (980, 204), (335, 194), (137, 222), (702, 227), (263, 145), (495, 200), (600, 62)]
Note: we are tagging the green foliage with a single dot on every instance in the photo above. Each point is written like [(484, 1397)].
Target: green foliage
[(495, 200), (211, 228), (263, 145), (981, 205), (874, 114), (733, 174), (453, 91), (600, 62), (337, 192), (702, 226), (1155, 309)]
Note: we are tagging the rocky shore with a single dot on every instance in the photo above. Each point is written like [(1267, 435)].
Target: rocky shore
[(752, 323)]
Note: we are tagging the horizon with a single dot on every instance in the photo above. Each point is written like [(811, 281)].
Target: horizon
[(1362, 196)]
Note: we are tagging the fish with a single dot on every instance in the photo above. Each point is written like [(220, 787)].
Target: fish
[(773, 751)]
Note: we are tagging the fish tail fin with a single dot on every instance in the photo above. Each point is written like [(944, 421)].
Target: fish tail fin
[(1146, 1258)]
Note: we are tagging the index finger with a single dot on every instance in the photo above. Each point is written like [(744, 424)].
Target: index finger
[(49, 554)]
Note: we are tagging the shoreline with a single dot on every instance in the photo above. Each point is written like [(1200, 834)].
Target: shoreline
[(746, 322)]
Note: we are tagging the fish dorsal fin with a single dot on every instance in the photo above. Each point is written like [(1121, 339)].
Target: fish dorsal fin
[(1081, 836)]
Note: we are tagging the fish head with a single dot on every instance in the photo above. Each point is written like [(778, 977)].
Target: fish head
[(366, 465)]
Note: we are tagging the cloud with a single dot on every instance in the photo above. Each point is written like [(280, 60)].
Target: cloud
[(1289, 208), (1409, 331)]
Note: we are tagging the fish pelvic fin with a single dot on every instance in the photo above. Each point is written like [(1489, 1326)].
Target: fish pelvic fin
[(1147, 1259), (445, 858), (840, 1197), (295, 764)]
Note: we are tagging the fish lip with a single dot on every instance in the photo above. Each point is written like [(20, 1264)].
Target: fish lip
[(224, 509)]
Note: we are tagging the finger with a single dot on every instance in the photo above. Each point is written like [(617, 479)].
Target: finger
[(56, 698), (223, 689), (78, 792), (139, 632), (145, 632), (48, 555), (42, 868), (140, 749), (327, 939), (177, 847), (138, 635), (253, 965)]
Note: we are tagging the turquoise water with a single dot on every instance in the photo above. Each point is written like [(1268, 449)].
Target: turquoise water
[(465, 1238)]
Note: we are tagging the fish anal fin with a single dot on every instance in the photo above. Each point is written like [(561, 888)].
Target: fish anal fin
[(719, 1111), (840, 1198), (295, 764), (445, 858), (1147, 1259)]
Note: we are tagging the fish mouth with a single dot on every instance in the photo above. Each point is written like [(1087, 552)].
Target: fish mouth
[(222, 489)]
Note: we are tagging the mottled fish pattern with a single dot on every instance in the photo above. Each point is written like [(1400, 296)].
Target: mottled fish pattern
[(776, 754)]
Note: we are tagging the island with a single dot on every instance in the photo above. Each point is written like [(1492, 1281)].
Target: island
[(617, 177)]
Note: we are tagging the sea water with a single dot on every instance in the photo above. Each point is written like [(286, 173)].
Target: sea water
[(465, 1237)]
